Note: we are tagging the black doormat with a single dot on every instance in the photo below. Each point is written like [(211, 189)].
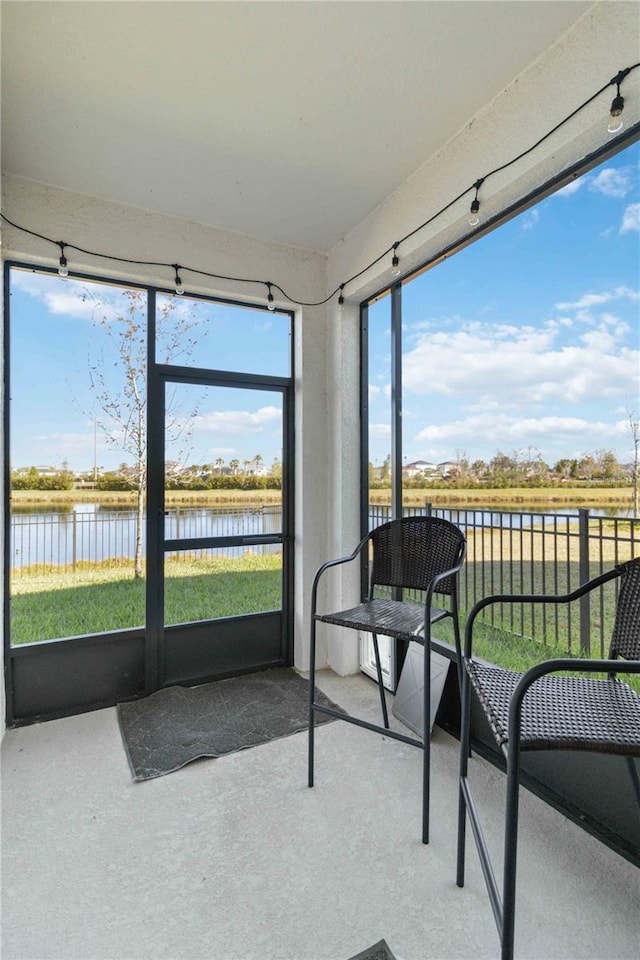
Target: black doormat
[(379, 951), (176, 725)]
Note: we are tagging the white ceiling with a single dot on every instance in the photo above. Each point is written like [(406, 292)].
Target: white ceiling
[(288, 121)]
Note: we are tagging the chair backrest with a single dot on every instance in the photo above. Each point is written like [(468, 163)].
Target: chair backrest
[(625, 639), (410, 551)]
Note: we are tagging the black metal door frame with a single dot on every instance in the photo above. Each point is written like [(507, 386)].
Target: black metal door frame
[(208, 650)]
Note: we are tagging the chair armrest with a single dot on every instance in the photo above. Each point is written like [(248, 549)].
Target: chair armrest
[(333, 563), (534, 598)]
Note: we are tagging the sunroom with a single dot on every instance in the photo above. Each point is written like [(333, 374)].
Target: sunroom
[(262, 181)]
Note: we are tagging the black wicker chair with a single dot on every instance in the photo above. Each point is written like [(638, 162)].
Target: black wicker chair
[(539, 710), (413, 553)]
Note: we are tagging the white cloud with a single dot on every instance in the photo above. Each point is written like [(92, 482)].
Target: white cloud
[(518, 367), (69, 304), (69, 298), (599, 340), (515, 432), (630, 218), (572, 187), (611, 182), (379, 430), (530, 220), (236, 421), (222, 452), (597, 299)]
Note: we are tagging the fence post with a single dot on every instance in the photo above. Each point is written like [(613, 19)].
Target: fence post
[(264, 527), (427, 509), (74, 538), (583, 567)]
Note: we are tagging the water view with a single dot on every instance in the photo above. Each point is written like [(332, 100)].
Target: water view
[(62, 537), (45, 537)]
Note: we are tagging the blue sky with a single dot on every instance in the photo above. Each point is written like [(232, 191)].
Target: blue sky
[(56, 340), (526, 340)]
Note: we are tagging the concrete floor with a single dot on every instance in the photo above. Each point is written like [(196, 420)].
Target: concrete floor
[(236, 859)]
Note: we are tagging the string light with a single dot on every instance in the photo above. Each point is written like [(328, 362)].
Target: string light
[(270, 302), (615, 124), (395, 263), (179, 289), (63, 266)]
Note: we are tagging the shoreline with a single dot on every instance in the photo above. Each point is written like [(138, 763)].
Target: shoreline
[(569, 497)]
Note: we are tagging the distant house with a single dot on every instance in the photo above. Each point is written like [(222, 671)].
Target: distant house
[(419, 468), (256, 468), (46, 471)]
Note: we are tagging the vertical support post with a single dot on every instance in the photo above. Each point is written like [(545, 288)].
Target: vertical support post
[(396, 401), (154, 634), (583, 565), (366, 520), (74, 541), (398, 649)]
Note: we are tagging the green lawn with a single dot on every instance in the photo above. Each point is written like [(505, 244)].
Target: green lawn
[(101, 598)]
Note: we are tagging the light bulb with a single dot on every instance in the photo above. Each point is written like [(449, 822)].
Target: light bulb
[(270, 301), (474, 219), (177, 281), (179, 288), (615, 121), (395, 262), (63, 267)]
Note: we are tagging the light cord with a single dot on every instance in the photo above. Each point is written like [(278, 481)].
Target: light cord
[(475, 206)]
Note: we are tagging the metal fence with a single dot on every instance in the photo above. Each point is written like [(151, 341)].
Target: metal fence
[(65, 542), (507, 552), (523, 552)]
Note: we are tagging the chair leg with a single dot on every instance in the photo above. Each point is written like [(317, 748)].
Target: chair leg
[(383, 702), (426, 734), (312, 694), (458, 641), (510, 851), (465, 724)]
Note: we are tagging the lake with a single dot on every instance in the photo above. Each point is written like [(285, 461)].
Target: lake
[(43, 536)]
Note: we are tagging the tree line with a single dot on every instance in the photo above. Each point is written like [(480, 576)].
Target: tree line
[(516, 470), (194, 477), (601, 469)]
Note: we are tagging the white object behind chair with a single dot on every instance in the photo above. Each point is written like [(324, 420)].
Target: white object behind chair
[(408, 703)]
